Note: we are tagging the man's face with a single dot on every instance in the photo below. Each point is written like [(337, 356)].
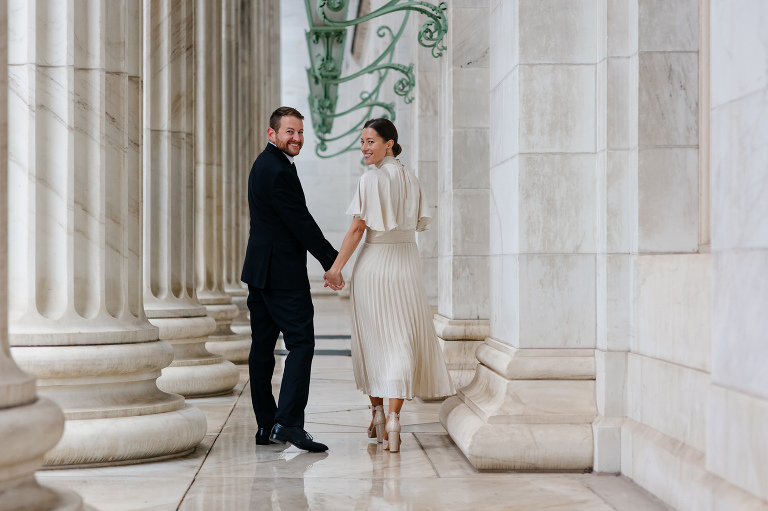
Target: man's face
[(290, 135)]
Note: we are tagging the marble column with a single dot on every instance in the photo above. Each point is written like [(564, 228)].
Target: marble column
[(170, 299), (231, 158), (425, 143), (265, 66), (463, 307), (76, 315), (532, 402), (210, 184), (617, 74), (244, 157), (29, 425)]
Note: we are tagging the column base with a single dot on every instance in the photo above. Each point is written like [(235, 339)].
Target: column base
[(114, 411), (194, 372), (460, 360), (28, 431), (606, 436), (525, 410), (233, 346), (459, 338), (29, 495), (214, 379), (128, 440), (241, 324), (539, 447)]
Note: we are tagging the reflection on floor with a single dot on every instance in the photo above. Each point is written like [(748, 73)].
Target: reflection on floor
[(228, 472)]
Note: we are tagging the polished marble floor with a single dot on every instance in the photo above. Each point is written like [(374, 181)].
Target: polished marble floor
[(228, 472)]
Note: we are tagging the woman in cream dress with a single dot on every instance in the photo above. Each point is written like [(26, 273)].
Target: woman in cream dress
[(395, 352)]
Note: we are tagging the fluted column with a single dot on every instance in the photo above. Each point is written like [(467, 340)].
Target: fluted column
[(265, 66), (233, 112), (210, 184), (29, 425), (76, 316), (170, 300)]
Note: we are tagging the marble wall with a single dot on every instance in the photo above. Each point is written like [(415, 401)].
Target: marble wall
[(602, 283), (737, 398), (667, 364)]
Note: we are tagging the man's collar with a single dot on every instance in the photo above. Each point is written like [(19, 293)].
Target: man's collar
[(290, 158)]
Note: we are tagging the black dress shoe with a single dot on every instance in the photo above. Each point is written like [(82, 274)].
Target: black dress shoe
[(262, 437), (296, 436)]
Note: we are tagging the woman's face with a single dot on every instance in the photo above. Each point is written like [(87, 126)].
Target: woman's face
[(373, 146)]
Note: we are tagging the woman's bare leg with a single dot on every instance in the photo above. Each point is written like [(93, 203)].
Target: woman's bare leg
[(395, 405)]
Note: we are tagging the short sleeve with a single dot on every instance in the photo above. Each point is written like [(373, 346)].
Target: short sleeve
[(424, 217), (372, 203)]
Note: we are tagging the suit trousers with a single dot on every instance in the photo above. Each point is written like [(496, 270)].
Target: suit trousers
[(273, 311)]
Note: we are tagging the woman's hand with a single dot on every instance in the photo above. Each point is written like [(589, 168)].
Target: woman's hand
[(334, 280)]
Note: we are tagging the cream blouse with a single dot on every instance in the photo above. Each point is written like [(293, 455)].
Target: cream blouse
[(389, 197)]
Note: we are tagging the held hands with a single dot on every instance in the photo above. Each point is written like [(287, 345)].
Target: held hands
[(334, 280)]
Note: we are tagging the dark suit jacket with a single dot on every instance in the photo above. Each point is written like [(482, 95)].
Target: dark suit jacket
[(282, 229)]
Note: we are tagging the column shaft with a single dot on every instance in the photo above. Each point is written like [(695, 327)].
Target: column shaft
[(532, 402), (170, 299), (76, 316), (463, 307), (425, 142), (29, 425), (233, 110), (211, 185)]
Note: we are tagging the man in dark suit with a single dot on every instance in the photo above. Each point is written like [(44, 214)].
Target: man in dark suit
[(282, 232)]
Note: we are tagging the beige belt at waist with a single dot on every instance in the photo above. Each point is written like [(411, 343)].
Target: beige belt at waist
[(379, 237)]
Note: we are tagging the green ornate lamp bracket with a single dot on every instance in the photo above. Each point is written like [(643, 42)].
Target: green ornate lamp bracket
[(326, 41), (430, 35)]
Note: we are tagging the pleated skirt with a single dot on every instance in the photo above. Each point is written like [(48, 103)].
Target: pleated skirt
[(395, 351)]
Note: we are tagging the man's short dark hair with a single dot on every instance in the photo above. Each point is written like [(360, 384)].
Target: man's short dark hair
[(283, 111)]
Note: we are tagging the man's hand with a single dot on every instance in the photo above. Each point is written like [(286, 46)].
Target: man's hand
[(334, 280)]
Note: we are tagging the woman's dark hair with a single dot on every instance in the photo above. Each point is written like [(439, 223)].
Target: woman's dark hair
[(387, 131)]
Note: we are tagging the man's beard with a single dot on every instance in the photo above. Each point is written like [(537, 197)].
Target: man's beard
[(283, 146)]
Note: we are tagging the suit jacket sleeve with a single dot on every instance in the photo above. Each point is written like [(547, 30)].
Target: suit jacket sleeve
[(288, 201)]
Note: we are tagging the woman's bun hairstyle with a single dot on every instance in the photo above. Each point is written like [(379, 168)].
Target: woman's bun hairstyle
[(387, 131)]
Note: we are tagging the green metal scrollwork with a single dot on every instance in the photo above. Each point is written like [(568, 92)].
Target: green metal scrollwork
[(326, 64), (405, 85), (430, 36), (326, 41)]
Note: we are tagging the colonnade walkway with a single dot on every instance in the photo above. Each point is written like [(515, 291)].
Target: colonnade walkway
[(228, 472)]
